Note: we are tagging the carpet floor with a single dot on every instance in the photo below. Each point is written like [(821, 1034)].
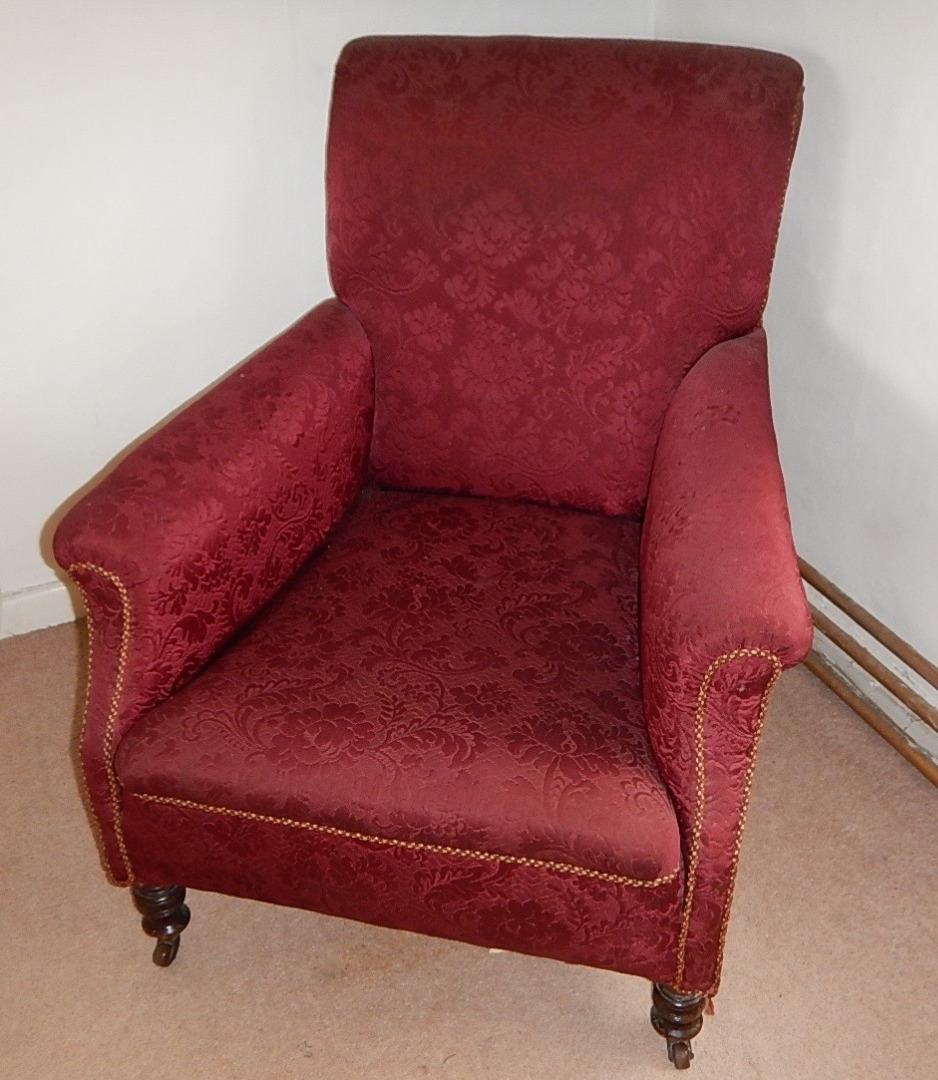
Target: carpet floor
[(831, 968)]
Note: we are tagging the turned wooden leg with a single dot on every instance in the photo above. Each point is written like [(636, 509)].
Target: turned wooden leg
[(678, 1017), (165, 916)]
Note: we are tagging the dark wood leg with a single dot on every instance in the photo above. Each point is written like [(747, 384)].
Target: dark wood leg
[(165, 916), (678, 1018)]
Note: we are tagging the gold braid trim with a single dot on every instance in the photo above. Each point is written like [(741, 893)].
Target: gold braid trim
[(747, 789), (700, 777), (407, 845), (108, 744)]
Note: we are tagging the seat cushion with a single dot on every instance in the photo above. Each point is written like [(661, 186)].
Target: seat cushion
[(455, 672)]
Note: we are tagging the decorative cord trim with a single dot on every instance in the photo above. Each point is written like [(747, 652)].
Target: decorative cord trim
[(747, 789), (108, 743), (408, 845), (700, 776), (89, 802)]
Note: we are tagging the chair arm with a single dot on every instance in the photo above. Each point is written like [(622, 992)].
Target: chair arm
[(723, 611), (195, 529)]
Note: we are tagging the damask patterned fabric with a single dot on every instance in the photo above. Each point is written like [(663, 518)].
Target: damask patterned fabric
[(723, 611), (541, 236), (496, 704), (437, 727), (451, 671), (528, 908), (200, 525)]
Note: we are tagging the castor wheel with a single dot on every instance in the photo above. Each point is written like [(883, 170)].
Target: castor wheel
[(165, 952), (165, 916), (681, 1054), (678, 1017)]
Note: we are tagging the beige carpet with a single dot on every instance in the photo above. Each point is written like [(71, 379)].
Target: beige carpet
[(832, 960)]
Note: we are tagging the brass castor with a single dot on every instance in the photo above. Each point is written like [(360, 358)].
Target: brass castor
[(164, 952), (165, 916), (678, 1018), (681, 1054)]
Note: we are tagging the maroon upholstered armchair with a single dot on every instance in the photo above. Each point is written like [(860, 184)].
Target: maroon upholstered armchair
[(457, 607)]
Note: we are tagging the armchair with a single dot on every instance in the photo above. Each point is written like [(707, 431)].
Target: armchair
[(457, 607)]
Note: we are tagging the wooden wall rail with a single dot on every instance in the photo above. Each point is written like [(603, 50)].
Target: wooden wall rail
[(909, 656), (873, 715)]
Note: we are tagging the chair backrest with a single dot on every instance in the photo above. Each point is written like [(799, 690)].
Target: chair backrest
[(541, 237)]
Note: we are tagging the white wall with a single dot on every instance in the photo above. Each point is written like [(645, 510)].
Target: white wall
[(853, 314), (162, 214)]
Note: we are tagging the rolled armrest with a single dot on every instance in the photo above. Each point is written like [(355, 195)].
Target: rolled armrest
[(719, 570), (723, 611), (204, 521), (192, 532)]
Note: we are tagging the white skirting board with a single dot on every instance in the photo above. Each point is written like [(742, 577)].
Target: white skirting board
[(37, 608)]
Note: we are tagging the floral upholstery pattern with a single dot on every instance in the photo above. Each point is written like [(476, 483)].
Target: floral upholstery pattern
[(450, 672), (457, 607), (541, 237), (199, 526), (528, 908), (455, 671), (722, 612)]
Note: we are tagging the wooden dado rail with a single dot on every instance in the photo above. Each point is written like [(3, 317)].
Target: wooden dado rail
[(904, 652)]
